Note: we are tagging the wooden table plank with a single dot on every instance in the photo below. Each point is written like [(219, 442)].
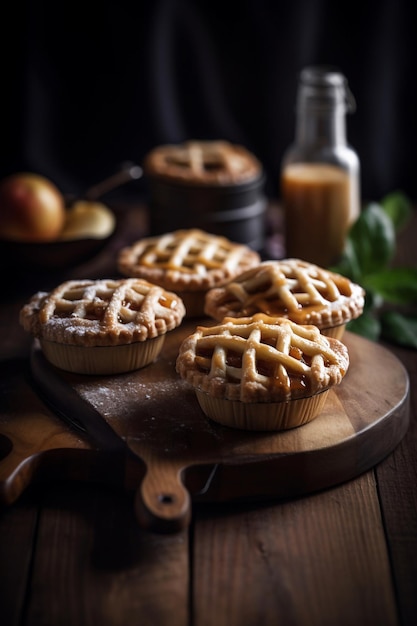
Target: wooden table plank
[(17, 532), (397, 475), (397, 480), (316, 561), (93, 565)]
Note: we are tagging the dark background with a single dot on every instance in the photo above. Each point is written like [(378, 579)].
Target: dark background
[(87, 86)]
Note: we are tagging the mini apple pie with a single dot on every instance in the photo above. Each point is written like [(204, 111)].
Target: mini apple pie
[(188, 262), (261, 372), (301, 291), (102, 326)]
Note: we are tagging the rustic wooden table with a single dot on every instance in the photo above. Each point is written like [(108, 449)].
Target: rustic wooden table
[(72, 551)]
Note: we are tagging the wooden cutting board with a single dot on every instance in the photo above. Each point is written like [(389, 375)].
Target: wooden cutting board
[(145, 431)]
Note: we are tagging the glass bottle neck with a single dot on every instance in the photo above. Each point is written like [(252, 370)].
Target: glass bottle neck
[(321, 127)]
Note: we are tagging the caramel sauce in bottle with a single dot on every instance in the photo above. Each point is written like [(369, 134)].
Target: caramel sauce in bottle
[(320, 173), (321, 202)]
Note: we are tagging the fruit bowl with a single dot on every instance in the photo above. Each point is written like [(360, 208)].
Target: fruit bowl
[(43, 231), (88, 228)]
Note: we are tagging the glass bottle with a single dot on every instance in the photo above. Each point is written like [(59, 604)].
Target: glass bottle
[(320, 173)]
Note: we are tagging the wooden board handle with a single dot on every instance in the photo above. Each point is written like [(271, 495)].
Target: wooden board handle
[(162, 503)]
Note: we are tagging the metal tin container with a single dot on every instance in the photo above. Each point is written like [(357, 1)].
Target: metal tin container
[(234, 211)]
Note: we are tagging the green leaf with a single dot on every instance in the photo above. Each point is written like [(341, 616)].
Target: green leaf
[(398, 328), (367, 325), (395, 285), (372, 237), (398, 207)]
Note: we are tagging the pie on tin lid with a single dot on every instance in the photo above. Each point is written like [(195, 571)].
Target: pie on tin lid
[(196, 162)]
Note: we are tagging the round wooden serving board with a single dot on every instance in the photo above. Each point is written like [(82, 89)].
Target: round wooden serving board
[(146, 431)]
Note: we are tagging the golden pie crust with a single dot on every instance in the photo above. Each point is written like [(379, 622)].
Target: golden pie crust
[(188, 262), (301, 291), (203, 163), (261, 372), (102, 326)]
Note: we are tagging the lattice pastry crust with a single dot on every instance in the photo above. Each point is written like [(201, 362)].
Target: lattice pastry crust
[(203, 162), (102, 312), (261, 359), (189, 259), (301, 291)]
